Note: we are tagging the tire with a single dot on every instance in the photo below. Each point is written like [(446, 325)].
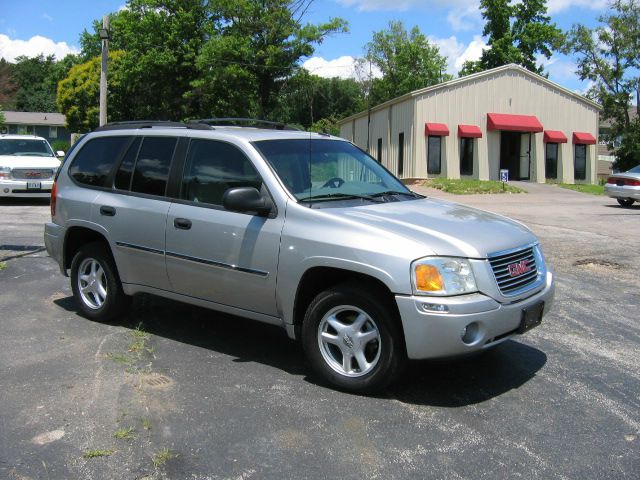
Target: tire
[(96, 285), (625, 202), (352, 339)]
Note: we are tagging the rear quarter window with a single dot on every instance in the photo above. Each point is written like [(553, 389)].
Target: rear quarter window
[(94, 162)]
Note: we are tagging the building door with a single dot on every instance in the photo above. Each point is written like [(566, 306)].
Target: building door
[(510, 153)]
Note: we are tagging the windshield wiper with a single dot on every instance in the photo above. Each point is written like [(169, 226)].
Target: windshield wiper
[(339, 196), (395, 192)]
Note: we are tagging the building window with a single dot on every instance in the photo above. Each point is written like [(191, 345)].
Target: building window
[(53, 132), (379, 152), (466, 156), (434, 155), (580, 162), (551, 161), (400, 154), (24, 130)]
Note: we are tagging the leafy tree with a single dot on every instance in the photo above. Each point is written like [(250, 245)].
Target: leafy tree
[(79, 93), (609, 56), (7, 84), (258, 45), (2, 119), (517, 33), (407, 60)]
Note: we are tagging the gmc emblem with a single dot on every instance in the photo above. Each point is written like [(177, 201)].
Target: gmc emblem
[(32, 174), (520, 268)]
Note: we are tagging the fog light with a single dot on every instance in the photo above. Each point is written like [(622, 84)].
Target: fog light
[(6, 190), (470, 333), (434, 307)]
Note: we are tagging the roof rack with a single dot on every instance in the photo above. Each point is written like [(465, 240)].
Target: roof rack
[(245, 122), (151, 124)]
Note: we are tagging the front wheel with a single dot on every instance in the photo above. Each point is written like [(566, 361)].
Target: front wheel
[(625, 202), (352, 339), (96, 285)]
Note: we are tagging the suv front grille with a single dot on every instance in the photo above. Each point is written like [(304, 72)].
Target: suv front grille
[(514, 270), (32, 173)]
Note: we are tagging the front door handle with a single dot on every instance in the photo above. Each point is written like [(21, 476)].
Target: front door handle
[(107, 211), (182, 223)]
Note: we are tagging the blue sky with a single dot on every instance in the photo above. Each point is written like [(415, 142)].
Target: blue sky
[(29, 27)]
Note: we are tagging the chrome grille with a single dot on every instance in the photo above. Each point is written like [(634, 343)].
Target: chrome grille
[(507, 270), (32, 173)]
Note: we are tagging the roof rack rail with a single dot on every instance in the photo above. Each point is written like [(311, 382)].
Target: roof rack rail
[(151, 124), (245, 122)]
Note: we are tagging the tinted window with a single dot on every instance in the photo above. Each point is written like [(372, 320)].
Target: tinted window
[(466, 156), (551, 160), (212, 168), (152, 168), (94, 161), (123, 175), (434, 156), (580, 163)]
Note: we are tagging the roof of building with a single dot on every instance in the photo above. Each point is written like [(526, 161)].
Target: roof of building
[(476, 76), (35, 118)]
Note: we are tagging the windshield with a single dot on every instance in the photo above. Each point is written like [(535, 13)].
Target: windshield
[(635, 169), (25, 147), (327, 170)]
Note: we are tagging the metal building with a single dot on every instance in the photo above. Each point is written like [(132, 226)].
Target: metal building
[(507, 118)]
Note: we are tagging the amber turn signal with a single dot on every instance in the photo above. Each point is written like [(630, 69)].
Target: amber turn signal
[(428, 278)]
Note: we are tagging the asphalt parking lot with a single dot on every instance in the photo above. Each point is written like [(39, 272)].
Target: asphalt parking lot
[(174, 391)]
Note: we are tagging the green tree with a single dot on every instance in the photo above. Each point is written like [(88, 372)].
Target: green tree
[(79, 94), (1, 116), (7, 84), (516, 33), (407, 60), (609, 57)]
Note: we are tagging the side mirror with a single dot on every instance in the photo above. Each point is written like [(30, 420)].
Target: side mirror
[(60, 153), (245, 199)]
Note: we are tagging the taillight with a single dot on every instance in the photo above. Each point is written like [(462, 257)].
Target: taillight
[(54, 193), (630, 182), (612, 180)]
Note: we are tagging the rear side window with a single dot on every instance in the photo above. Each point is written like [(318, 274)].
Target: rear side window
[(212, 168), (94, 161), (125, 171), (152, 168)]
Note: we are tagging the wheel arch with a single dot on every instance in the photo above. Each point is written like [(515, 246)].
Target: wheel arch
[(75, 238)]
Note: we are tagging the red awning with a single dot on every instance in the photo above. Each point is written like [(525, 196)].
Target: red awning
[(554, 136), (513, 123), (583, 138), (436, 129), (469, 131)]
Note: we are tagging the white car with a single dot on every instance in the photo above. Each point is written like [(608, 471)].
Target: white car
[(624, 187), (28, 166)]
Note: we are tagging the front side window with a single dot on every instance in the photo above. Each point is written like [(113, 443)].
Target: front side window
[(152, 167), (580, 162), (125, 171), (212, 168), (93, 163), (325, 170), (551, 160), (434, 155), (466, 156)]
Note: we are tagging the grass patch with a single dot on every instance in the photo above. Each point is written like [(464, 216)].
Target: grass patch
[(139, 342), (162, 457), (98, 452), (121, 358), (584, 188), (470, 187), (146, 423), (3, 265), (128, 433)]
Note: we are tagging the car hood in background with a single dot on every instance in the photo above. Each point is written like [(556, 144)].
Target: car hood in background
[(28, 161), (446, 228)]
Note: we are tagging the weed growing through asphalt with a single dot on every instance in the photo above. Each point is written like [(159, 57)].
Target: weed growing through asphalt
[(98, 452), (3, 265), (121, 358), (146, 424), (128, 433), (162, 457)]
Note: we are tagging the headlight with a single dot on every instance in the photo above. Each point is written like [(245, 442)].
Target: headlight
[(442, 276), (5, 172)]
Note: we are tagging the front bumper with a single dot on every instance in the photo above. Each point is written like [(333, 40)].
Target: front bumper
[(18, 189), (434, 335), (614, 191), (54, 242)]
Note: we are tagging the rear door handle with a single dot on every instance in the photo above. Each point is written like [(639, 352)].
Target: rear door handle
[(107, 211), (182, 223)]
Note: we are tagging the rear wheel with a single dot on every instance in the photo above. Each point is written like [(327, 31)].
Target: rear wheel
[(352, 339), (96, 285), (625, 202)]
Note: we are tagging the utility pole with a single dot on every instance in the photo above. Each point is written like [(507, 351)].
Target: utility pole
[(104, 36)]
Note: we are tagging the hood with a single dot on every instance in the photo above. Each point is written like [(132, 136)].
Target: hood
[(28, 161), (445, 228)]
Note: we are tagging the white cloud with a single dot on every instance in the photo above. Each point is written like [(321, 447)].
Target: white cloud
[(342, 67), (47, 17), (466, 17), (457, 53), (555, 6), (10, 49), (400, 5), (472, 52)]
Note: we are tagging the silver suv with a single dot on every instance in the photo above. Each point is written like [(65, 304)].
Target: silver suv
[(296, 229)]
